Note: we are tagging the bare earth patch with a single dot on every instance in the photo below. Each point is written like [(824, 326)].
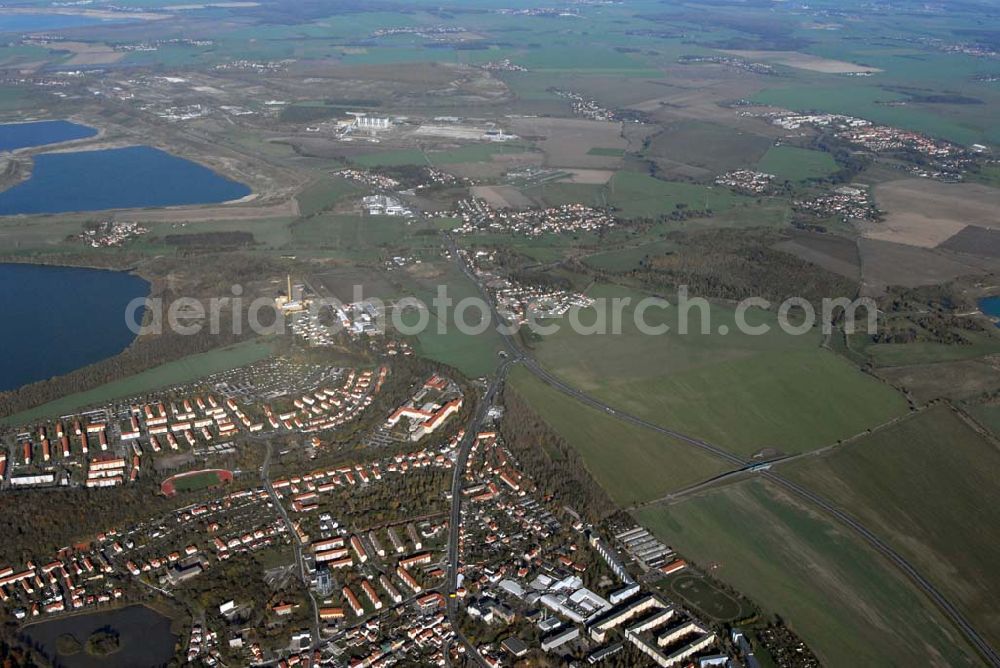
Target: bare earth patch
[(567, 141), (806, 61), (85, 53), (884, 263), (588, 176), (925, 213), (502, 197)]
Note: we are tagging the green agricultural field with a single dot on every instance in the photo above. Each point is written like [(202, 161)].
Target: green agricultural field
[(790, 163), (324, 194), (573, 56), (626, 259), (363, 237), (905, 354), (172, 373), (397, 158), (53, 236), (986, 415), (474, 354), (267, 233), (928, 486), (988, 175), (473, 153), (413, 156), (840, 596), (707, 146), (743, 392), (769, 212), (558, 194), (637, 195), (633, 464), (13, 98)]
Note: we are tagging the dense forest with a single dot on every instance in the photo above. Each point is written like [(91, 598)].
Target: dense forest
[(736, 264)]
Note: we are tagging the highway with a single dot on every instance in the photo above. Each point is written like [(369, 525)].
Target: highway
[(895, 559)]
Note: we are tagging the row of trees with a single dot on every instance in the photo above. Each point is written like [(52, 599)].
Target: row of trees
[(555, 466)]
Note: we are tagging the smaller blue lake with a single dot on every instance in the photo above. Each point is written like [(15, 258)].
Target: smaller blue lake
[(991, 307), (38, 133), (58, 319), (144, 635), (118, 178)]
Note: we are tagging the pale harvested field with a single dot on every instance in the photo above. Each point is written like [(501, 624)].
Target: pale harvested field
[(699, 101), (588, 176), (805, 61), (913, 228), (884, 263), (566, 141), (925, 213), (92, 13), (89, 54), (450, 132), (502, 197)]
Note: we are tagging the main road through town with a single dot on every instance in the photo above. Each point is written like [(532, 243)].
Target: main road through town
[(455, 521), (516, 353), (265, 477)]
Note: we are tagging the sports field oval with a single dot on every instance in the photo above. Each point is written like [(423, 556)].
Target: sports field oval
[(192, 481)]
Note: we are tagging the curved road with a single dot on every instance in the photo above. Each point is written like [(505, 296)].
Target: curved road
[(944, 605)]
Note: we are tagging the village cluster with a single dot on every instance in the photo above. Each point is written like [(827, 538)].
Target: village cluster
[(368, 178), (520, 302), (851, 202), (260, 67), (110, 233), (503, 65), (729, 61), (582, 106), (939, 159), (746, 180), (478, 216)]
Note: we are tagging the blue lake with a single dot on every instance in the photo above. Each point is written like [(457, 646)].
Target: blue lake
[(57, 319), (119, 178), (38, 133), (991, 307)]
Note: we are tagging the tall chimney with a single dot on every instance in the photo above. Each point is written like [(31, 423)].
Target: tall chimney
[(289, 287)]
